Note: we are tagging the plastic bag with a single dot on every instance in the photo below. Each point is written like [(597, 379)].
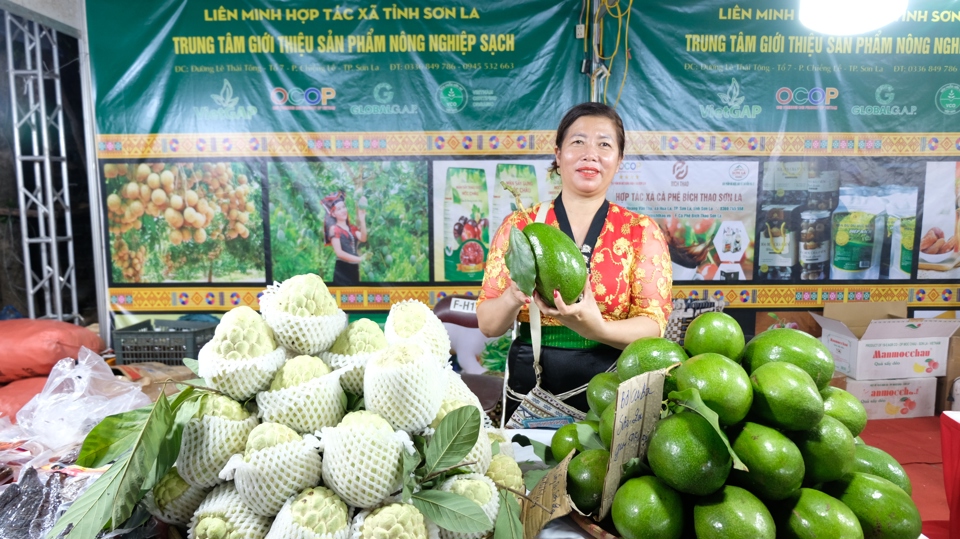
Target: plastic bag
[(77, 396)]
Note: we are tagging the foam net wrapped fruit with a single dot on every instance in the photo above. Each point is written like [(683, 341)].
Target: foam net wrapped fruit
[(303, 314)]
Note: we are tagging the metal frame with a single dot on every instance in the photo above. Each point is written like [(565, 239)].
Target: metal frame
[(41, 169)]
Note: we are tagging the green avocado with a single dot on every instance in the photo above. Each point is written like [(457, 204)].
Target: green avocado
[(732, 512), (791, 346), (774, 462), (884, 510), (560, 265), (827, 449), (811, 514), (878, 462), (785, 397), (688, 454)]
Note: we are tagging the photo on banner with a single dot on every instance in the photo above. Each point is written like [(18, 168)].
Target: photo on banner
[(470, 203), (184, 222), (706, 209), (837, 219), (375, 210), (939, 253)]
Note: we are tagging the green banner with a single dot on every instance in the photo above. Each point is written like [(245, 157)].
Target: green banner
[(751, 66), (257, 66)]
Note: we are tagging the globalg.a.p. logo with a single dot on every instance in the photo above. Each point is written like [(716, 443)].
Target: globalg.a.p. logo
[(884, 94), (227, 108), (733, 106), (383, 93), (948, 99), (452, 97), (885, 97)]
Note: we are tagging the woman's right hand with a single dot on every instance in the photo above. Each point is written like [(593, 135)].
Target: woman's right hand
[(513, 291)]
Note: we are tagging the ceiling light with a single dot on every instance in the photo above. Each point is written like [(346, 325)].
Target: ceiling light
[(850, 17)]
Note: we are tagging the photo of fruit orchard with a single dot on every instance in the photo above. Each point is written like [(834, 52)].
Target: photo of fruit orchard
[(198, 221)]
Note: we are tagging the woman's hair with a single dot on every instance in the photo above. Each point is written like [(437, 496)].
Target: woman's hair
[(589, 109), (329, 221)]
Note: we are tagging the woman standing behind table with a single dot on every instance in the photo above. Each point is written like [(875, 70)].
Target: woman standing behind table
[(627, 294)]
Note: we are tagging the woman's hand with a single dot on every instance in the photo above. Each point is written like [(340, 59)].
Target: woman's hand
[(583, 317), (496, 316)]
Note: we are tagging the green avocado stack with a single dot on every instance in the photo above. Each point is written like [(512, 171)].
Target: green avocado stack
[(783, 461)]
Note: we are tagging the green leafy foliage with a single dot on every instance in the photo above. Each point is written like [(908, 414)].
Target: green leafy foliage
[(588, 437), (397, 246), (112, 437), (521, 262), (451, 511), (110, 499), (508, 524), (455, 437), (690, 398)]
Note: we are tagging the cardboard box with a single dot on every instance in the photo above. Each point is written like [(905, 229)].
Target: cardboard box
[(876, 341), (891, 399)]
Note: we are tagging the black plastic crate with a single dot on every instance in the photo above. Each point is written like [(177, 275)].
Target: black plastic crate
[(164, 341)]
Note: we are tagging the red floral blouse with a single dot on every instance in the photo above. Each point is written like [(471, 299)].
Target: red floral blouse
[(630, 267)]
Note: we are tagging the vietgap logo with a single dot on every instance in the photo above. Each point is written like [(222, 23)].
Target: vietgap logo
[(227, 108), (733, 106)]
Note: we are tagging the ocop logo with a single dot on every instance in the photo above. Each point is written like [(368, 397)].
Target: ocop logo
[(303, 99), (884, 96), (806, 98)]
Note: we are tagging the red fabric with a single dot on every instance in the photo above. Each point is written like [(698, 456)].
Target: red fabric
[(15, 394), (32, 347), (950, 442), (914, 440)]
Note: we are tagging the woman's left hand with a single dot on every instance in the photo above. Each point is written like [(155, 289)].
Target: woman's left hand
[(583, 316)]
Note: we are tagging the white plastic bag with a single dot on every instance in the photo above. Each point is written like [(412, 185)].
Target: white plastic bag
[(78, 395)]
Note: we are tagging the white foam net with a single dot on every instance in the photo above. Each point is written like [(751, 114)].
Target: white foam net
[(362, 465), (432, 335), (240, 379), (353, 369), (268, 477), (179, 510), (225, 503), (408, 395), (307, 407), (430, 530), (285, 527), (308, 335), (206, 446), (490, 508), (457, 390)]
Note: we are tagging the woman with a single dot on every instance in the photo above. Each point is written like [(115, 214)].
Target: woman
[(627, 293), (345, 238)]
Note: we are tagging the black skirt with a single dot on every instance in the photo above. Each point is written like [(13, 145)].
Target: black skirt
[(345, 273), (562, 369)]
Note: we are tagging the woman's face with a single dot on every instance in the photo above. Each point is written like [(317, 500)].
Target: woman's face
[(340, 211), (589, 156)]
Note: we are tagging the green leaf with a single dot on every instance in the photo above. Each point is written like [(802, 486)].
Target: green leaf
[(451, 511), (508, 524), (520, 261), (193, 365), (456, 195), (690, 398), (185, 407), (455, 437), (112, 497), (494, 449), (112, 437), (588, 437), (539, 449), (533, 477)]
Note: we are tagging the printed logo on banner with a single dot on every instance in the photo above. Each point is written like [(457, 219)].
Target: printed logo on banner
[(739, 172), (303, 98), (227, 108), (948, 99), (452, 97), (680, 170), (802, 98), (884, 96), (733, 106), (383, 95)]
